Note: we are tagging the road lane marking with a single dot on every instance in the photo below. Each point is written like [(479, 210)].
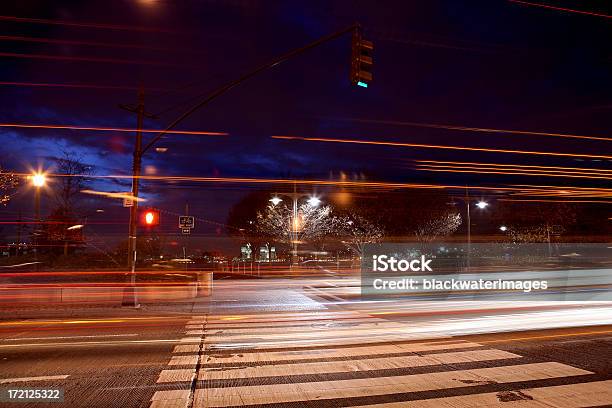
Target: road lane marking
[(91, 343), (176, 375), (362, 387), (190, 340), (551, 336), (303, 343), (184, 360), (370, 364), (187, 348), (340, 327), (28, 379), (72, 337), (181, 398), (170, 399), (313, 334), (592, 394), (358, 351)]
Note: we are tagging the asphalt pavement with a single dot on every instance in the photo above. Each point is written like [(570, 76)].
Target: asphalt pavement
[(290, 346)]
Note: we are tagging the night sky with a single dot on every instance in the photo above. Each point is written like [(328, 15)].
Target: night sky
[(485, 64)]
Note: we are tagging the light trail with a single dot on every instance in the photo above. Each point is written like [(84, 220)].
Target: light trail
[(555, 201), (89, 59), (568, 10), (477, 129), (80, 42), (124, 196), (494, 170), (83, 25), (69, 85), (109, 129), (517, 165), (444, 147), (516, 189)]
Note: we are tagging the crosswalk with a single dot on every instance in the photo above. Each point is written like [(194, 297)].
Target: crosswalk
[(334, 359)]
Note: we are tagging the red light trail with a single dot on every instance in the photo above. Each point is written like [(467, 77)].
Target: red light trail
[(590, 13)]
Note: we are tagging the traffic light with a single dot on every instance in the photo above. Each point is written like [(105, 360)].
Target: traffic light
[(150, 218), (361, 60)]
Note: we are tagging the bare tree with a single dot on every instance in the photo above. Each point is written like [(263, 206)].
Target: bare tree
[(55, 234), (537, 222), (311, 224), (356, 231), (74, 179), (440, 225), (8, 183)]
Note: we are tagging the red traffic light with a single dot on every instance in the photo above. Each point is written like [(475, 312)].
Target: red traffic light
[(150, 218)]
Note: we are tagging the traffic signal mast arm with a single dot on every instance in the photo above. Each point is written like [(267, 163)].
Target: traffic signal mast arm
[(223, 89), (139, 150)]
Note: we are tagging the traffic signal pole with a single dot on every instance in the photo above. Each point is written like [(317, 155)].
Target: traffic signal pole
[(130, 297), (139, 150)]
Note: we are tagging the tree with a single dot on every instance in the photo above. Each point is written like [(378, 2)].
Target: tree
[(56, 232), (311, 224), (438, 225), (536, 222), (356, 231), (56, 235), (74, 179)]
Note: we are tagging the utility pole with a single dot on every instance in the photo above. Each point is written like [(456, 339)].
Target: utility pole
[(129, 296)]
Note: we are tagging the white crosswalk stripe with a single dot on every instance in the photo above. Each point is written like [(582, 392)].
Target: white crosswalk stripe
[(301, 357)]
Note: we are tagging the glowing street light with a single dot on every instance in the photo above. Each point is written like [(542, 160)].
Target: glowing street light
[(482, 205), (314, 201), (275, 200), (38, 179), (503, 228), (296, 219)]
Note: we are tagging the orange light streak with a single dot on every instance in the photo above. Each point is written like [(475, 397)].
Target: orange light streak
[(478, 129), (516, 165), (109, 129), (357, 184), (494, 170), (84, 25), (427, 146), (590, 13), (555, 201)]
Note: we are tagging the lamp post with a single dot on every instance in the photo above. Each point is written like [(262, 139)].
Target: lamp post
[(38, 181), (481, 205), (295, 225)]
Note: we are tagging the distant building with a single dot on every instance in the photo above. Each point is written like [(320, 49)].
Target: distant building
[(267, 253), (246, 252)]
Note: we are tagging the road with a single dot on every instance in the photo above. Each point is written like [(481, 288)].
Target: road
[(302, 343)]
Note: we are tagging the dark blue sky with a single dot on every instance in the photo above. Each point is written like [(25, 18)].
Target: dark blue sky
[(491, 64)]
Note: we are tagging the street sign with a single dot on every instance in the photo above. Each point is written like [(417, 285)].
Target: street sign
[(186, 221), (186, 231), (128, 203)]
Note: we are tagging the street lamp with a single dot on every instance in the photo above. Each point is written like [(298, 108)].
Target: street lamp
[(296, 225), (503, 228), (314, 201), (275, 200), (482, 204), (38, 181)]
